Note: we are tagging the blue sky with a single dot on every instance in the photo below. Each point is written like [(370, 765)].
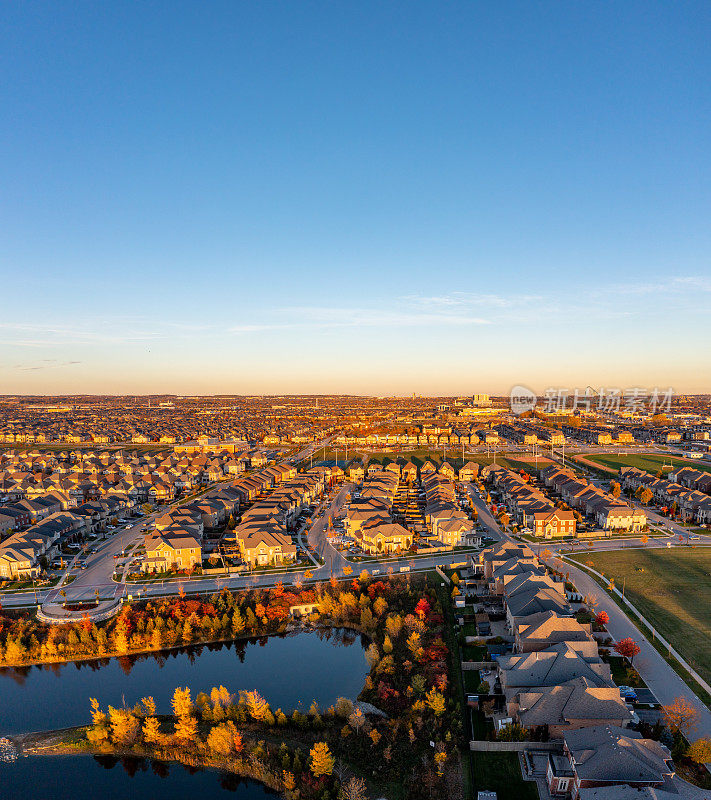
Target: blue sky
[(365, 197)]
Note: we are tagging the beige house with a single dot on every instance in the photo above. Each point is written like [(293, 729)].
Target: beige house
[(558, 522), (166, 551), (262, 545), (469, 471), (18, 562), (388, 537)]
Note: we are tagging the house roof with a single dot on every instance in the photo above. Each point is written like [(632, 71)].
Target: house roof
[(617, 755), (573, 701)]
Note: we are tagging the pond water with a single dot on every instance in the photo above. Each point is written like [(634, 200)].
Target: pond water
[(290, 671), (75, 777)]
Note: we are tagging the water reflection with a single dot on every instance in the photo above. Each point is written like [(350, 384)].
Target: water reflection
[(113, 778), (290, 671)]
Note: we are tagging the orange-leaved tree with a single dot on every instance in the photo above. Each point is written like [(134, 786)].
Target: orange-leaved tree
[(680, 716)]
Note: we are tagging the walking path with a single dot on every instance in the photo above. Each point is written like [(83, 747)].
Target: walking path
[(654, 670)]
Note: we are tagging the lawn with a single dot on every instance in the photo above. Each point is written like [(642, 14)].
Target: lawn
[(501, 773), (672, 588), (650, 462), (471, 680)]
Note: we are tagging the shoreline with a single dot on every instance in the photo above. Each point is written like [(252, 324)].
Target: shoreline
[(57, 747), (290, 628)]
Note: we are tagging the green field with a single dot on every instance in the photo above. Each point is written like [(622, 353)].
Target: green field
[(672, 588), (650, 462)]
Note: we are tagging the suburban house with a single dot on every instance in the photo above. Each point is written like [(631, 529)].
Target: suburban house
[(262, 544), (469, 471), (550, 524), (385, 537), (167, 550), (611, 756), (571, 705)]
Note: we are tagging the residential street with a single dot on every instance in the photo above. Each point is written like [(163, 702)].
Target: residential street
[(659, 676)]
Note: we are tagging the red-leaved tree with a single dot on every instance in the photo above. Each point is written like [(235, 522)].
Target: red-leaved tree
[(627, 648)]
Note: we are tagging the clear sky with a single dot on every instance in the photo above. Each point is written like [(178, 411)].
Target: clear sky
[(354, 197)]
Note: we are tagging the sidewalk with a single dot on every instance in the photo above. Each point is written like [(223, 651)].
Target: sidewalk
[(654, 670)]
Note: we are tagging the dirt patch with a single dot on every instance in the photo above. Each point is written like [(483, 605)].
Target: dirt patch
[(594, 465)]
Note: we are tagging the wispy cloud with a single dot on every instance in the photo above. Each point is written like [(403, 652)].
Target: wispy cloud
[(316, 317), (45, 363), (471, 300), (676, 286)]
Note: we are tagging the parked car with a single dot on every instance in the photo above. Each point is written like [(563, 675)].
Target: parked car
[(627, 693)]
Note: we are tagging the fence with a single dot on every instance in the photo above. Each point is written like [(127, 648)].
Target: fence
[(442, 574), (482, 746), (655, 634)]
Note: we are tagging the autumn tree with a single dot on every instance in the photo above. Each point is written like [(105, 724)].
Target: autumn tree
[(627, 648), (357, 720), (186, 728), (182, 702), (615, 489), (344, 707), (680, 716), (354, 789), (322, 760), (413, 642), (436, 701), (602, 618), (151, 730), (393, 625), (646, 495), (149, 706), (124, 726), (221, 738), (98, 717), (289, 780), (257, 706), (700, 751), (380, 606)]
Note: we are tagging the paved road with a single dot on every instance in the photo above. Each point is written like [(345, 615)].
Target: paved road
[(101, 563), (333, 558), (652, 667), (654, 670)]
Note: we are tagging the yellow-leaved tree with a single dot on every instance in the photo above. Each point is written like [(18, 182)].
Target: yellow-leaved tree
[(322, 760), (436, 701), (124, 726), (151, 730), (186, 728), (182, 702), (221, 738), (257, 706)]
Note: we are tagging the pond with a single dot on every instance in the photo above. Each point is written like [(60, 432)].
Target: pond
[(74, 777), (290, 671)]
